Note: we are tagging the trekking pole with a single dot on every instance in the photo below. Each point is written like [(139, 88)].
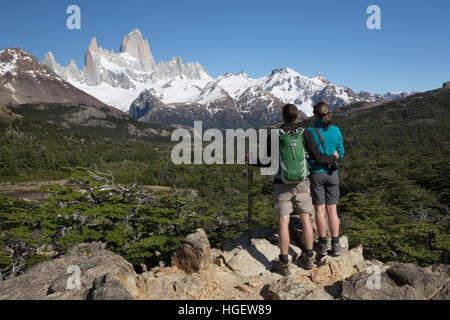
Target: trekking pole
[(250, 196)]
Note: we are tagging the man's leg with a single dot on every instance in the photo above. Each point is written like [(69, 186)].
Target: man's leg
[(283, 234), (282, 264), (283, 207), (318, 200), (308, 235), (304, 204), (308, 239)]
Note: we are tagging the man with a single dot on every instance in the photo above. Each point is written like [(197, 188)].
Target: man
[(300, 192)]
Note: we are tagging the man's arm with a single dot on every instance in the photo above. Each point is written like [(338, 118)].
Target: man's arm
[(313, 150)]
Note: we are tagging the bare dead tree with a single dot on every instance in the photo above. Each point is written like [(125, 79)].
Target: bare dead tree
[(133, 193), (20, 250)]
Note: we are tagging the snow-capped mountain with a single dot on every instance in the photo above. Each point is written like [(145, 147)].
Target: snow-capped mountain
[(233, 100), (118, 79), (292, 87), (389, 96), (23, 79)]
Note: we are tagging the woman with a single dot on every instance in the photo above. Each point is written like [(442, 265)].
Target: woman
[(324, 179)]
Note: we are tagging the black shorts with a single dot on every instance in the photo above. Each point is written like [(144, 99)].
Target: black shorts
[(324, 188)]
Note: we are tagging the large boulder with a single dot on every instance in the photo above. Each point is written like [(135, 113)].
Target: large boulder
[(296, 288), (102, 275), (331, 269), (174, 284), (193, 253), (211, 283), (428, 283), (108, 287), (254, 253), (399, 282), (441, 282), (358, 287)]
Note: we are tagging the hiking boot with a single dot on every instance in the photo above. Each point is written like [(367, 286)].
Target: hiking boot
[(282, 268), (322, 249), (307, 262), (336, 249)]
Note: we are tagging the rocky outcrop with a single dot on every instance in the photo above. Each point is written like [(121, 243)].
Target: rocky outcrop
[(400, 281), (108, 287), (102, 275), (23, 79), (145, 106), (106, 121), (331, 269), (150, 109), (238, 269), (356, 288), (427, 283), (193, 253), (446, 84), (294, 288), (253, 254)]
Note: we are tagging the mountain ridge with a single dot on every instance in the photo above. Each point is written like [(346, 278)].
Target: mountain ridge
[(119, 79), (23, 79)]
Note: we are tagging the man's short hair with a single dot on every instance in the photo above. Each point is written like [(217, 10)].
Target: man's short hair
[(290, 113)]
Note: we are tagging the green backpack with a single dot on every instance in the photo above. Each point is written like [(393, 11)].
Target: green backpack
[(294, 166)]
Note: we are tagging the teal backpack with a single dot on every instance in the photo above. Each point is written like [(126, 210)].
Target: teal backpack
[(294, 166)]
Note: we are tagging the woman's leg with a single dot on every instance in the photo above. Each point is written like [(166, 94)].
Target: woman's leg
[(333, 219), (321, 222), (318, 199), (331, 199)]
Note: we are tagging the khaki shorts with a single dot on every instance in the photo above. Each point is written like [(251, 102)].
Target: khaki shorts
[(285, 193)]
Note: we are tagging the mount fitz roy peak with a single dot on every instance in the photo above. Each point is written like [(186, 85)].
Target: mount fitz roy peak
[(176, 93), (118, 78)]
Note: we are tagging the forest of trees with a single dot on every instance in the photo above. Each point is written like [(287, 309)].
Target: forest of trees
[(395, 189)]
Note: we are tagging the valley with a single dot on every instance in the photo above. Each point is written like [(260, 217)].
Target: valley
[(394, 196)]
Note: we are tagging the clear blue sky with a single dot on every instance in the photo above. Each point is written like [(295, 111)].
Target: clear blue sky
[(410, 52)]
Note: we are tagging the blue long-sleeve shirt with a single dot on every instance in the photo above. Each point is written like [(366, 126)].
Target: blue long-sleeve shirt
[(333, 141)]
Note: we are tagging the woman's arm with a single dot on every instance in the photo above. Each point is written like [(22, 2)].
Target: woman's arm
[(340, 146), (313, 150)]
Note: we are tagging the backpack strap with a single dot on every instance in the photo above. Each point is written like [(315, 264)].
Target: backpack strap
[(319, 134), (291, 132)]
